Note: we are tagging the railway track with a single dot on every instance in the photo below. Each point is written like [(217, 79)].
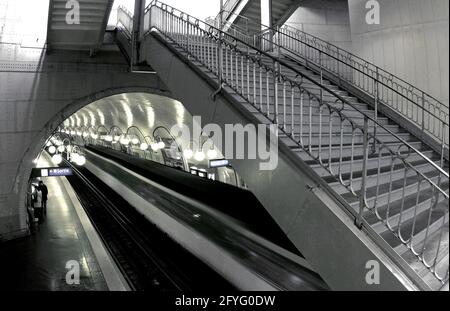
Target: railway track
[(146, 256)]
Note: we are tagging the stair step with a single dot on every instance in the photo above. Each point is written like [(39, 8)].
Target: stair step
[(386, 174), (347, 150), (335, 139), (374, 164), (316, 127), (414, 203), (438, 221), (389, 192)]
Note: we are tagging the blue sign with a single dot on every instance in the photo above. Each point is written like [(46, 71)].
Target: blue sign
[(52, 172), (60, 171), (218, 163)]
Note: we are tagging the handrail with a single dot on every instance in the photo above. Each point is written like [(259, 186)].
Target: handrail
[(437, 133), (376, 122), (126, 22), (378, 76), (277, 60), (201, 41), (315, 38)]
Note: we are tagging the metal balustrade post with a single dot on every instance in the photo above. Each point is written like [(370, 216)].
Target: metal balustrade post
[(338, 67), (423, 113), (376, 101), (187, 35), (362, 195), (321, 77), (275, 90), (219, 47), (442, 154)]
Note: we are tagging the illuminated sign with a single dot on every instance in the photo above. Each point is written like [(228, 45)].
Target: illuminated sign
[(60, 171), (218, 163), (51, 172)]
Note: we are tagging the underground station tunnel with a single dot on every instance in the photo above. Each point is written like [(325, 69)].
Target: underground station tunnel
[(240, 145)]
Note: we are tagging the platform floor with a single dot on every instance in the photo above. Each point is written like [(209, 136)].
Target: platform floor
[(38, 262)]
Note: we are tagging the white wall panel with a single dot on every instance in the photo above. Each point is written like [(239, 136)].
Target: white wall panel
[(411, 41)]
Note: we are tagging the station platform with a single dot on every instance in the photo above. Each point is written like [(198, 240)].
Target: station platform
[(38, 262)]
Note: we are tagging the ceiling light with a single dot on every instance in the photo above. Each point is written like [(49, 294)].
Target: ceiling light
[(81, 160), (57, 159), (143, 146), (135, 141), (199, 156), (188, 153), (124, 141)]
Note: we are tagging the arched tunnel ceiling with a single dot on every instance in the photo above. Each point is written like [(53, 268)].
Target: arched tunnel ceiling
[(146, 111)]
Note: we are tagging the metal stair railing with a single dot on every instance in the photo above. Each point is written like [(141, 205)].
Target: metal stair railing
[(281, 98), (125, 20), (421, 109)]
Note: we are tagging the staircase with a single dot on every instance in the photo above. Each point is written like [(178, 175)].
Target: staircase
[(391, 182), (85, 35)]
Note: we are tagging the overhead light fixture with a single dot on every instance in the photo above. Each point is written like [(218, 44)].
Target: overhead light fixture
[(81, 160), (154, 146), (143, 146), (108, 138), (199, 156), (78, 159), (124, 141), (135, 141), (161, 145), (188, 154), (57, 159)]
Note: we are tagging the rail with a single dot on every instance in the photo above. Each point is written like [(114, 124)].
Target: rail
[(421, 109), (279, 91), (125, 20)]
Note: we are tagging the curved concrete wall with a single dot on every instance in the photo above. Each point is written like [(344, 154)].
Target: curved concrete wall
[(37, 92), (411, 41)]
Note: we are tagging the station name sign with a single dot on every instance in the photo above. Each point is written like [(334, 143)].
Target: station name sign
[(218, 163), (51, 172)]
